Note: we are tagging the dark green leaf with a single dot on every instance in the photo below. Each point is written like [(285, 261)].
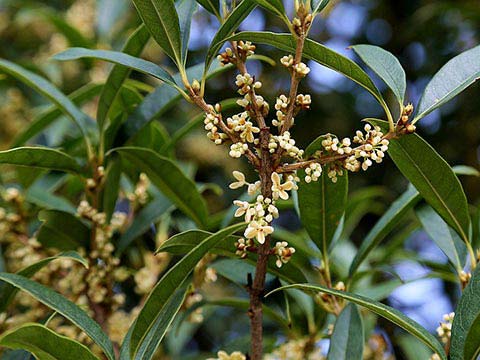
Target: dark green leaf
[(7, 292), (164, 320), (275, 6), (319, 5), (119, 73), (213, 6), (386, 66), (40, 157), (45, 344), (64, 307), (183, 243), (382, 310), (170, 180), (119, 58), (445, 238), (433, 178), (47, 117), (161, 19), (143, 221), (385, 225), (347, 339), (465, 342), (48, 90), (167, 285), (185, 10), (454, 77), (230, 25), (63, 231), (322, 205), (317, 52)]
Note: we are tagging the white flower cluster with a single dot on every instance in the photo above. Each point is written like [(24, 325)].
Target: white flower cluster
[(260, 214), (241, 124), (246, 83), (286, 143), (245, 48), (212, 119), (444, 331), (313, 172), (283, 253), (281, 107)]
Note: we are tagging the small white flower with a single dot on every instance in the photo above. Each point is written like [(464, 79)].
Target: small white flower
[(253, 188), (258, 231), (243, 207), (240, 180), (280, 190)]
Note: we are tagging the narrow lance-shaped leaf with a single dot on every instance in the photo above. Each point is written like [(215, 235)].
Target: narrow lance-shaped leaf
[(347, 338), (433, 178), (230, 25), (275, 6), (212, 6), (7, 291), (45, 344), (385, 225), (322, 203), (119, 73), (161, 19), (386, 66), (49, 90), (465, 342), (164, 320), (62, 230), (40, 157), (319, 5), (442, 235), (185, 10), (46, 118), (64, 307), (170, 180), (116, 57), (380, 309), (165, 288), (454, 77), (319, 53)]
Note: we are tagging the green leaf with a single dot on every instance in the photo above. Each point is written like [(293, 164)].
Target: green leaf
[(8, 292), (112, 186), (385, 225), (49, 90), (109, 14), (347, 339), (47, 117), (322, 205), (212, 6), (163, 322), (40, 157), (64, 307), (63, 231), (382, 310), (465, 170), (119, 73), (161, 19), (319, 5), (170, 180), (433, 178), (165, 288), (183, 243), (143, 220), (275, 6), (454, 77), (317, 52), (119, 58), (45, 344), (386, 66), (230, 25), (185, 10), (465, 342), (445, 238)]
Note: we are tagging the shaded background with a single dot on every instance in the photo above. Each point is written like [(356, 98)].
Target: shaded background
[(423, 34)]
